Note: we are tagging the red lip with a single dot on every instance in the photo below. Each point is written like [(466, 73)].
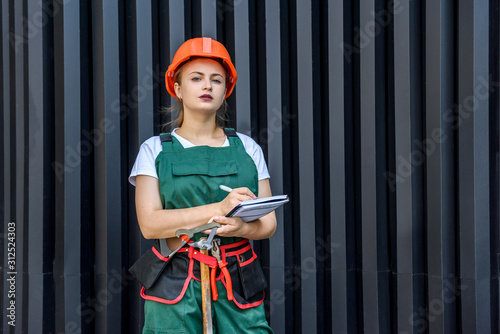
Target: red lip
[(206, 97)]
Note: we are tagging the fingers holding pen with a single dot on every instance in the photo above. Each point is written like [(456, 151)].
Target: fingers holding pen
[(243, 196), (241, 191), (235, 197), (246, 192)]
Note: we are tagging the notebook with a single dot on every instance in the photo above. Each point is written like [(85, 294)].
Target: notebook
[(254, 209)]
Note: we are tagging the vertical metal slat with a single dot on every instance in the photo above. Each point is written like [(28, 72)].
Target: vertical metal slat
[(242, 64), (275, 123), (401, 182), (306, 166), (336, 244), (177, 35), (439, 167), (108, 231), (368, 172), (209, 18), (473, 138)]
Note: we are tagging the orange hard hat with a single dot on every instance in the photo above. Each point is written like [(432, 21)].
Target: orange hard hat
[(201, 47)]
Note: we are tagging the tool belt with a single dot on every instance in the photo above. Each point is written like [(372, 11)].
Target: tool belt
[(165, 280)]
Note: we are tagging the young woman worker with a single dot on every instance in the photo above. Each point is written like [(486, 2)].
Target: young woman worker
[(177, 178)]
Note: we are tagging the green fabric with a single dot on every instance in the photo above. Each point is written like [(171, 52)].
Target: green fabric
[(191, 176), (186, 316)]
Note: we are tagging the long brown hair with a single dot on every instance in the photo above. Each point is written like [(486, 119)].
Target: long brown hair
[(176, 111)]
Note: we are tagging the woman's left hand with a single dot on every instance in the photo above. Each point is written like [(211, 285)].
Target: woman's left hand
[(230, 227)]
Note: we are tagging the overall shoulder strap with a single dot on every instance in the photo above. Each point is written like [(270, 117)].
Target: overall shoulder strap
[(230, 132), (166, 142), (165, 137), (233, 138)]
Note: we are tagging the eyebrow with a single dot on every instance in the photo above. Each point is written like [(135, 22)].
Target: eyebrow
[(196, 72)]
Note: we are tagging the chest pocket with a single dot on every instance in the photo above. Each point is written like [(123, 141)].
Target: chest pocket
[(197, 180)]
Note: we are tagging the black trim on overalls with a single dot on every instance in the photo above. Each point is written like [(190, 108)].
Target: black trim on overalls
[(230, 132), (165, 137), (162, 243)]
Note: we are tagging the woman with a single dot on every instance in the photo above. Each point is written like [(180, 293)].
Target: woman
[(177, 178)]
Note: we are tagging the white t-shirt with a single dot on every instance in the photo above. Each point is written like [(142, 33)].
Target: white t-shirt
[(145, 161)]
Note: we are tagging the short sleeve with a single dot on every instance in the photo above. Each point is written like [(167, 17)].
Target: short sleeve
[(255, 151), (145, 161)]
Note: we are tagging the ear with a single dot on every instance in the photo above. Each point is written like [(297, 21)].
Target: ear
[(178, 90)]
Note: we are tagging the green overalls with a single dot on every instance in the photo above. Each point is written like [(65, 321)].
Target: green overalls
[(190, 177)]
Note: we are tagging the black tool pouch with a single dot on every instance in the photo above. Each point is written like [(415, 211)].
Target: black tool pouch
[(247, 277), (148, 268), (252, 277)]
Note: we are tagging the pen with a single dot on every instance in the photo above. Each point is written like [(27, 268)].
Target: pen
[(225, 188)]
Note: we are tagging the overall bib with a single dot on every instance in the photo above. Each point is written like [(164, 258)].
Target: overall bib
[(190, 177)]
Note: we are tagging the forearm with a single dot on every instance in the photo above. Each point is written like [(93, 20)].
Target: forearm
[(162, 223), (262, 228)]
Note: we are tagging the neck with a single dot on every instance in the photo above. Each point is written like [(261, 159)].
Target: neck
[(200, 130)]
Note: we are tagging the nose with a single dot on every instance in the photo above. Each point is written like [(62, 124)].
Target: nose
[(207, 84)]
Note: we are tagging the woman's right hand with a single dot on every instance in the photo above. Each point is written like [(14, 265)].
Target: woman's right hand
[(235, 197)]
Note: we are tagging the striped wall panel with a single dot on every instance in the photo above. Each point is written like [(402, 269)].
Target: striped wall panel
[(379, 118)]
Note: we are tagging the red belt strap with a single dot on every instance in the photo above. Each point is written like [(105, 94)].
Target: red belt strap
[(207, 259), (213, 263)]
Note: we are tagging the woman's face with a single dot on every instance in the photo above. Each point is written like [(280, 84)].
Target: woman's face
[(202, 85)]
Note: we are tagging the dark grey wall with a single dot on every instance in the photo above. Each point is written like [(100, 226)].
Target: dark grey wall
[(378, 118)]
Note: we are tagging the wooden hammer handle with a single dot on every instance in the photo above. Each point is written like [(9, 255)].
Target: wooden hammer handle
[(206, 296)]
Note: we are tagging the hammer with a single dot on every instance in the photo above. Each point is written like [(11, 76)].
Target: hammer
[(206, 297)]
